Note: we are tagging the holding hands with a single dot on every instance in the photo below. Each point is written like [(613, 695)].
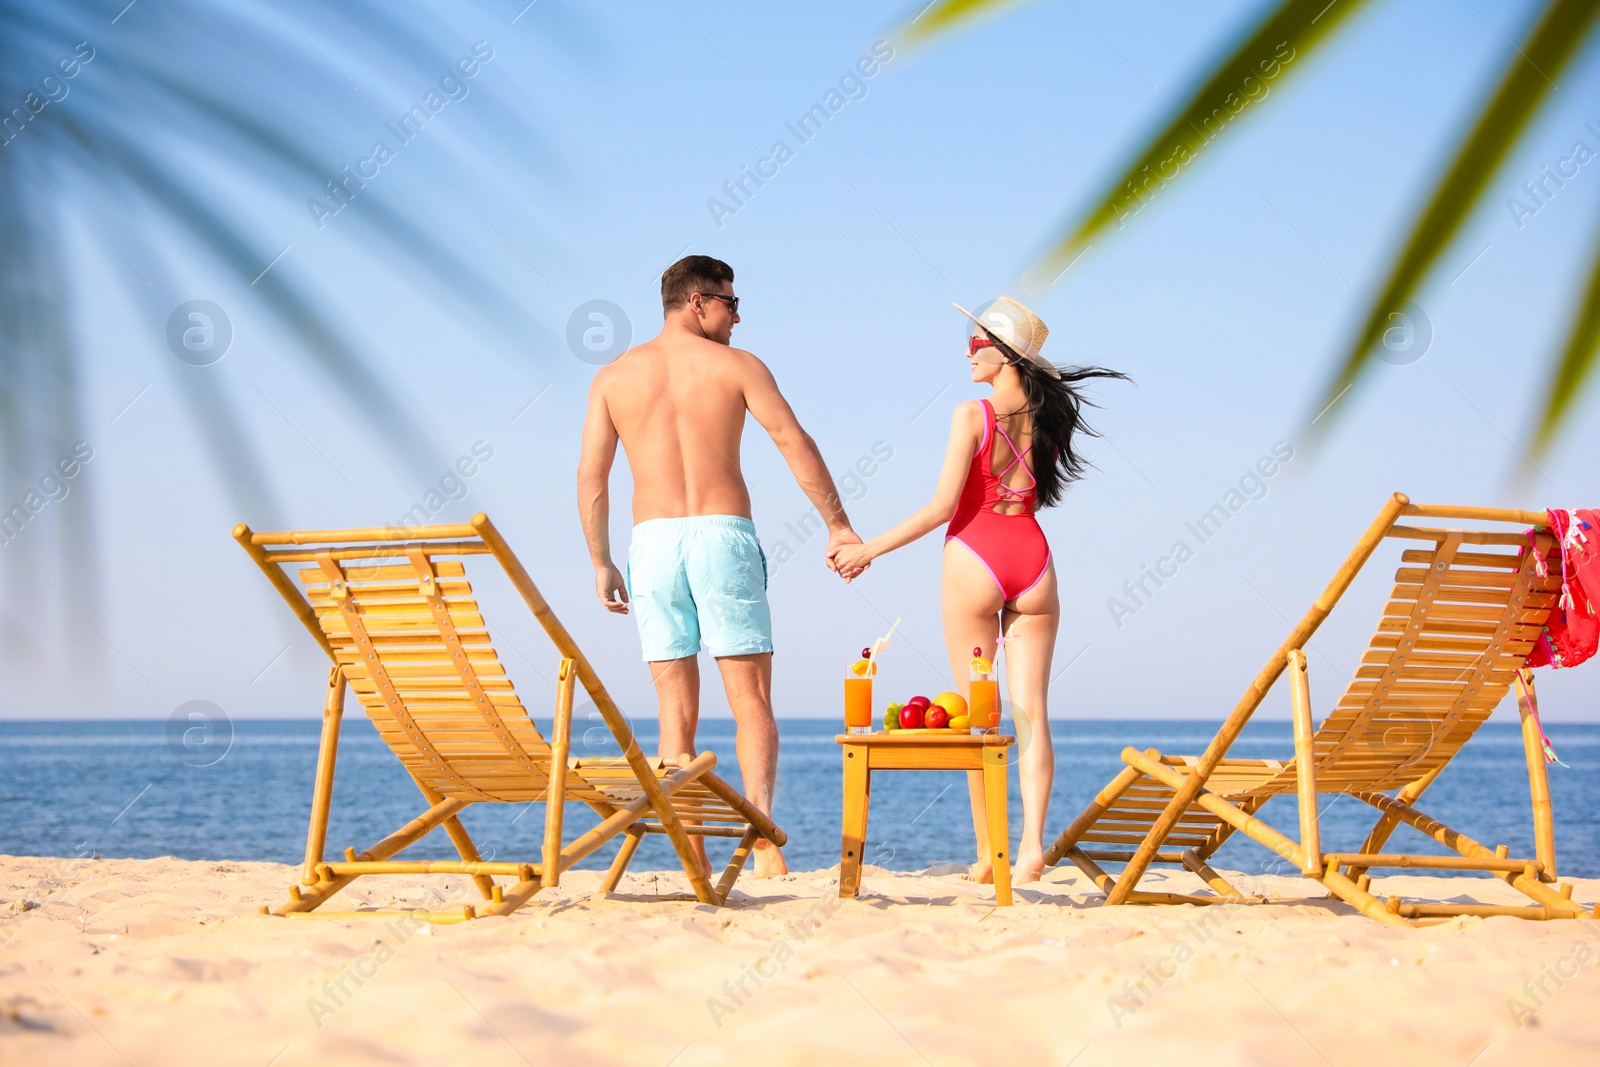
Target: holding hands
[(847, 556), (849, 560)]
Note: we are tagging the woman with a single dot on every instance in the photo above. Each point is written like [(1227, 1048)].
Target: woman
[(1008, 456)]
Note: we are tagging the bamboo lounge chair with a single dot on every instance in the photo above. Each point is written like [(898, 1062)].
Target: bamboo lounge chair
[(395, 612), (1453, 637)]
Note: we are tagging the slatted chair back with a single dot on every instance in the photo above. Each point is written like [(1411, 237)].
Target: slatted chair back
[(1461, 618), (1458, 625), (394, 608), (1459, 622), (417, 654)]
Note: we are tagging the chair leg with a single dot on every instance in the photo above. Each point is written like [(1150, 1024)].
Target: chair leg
[(1527, 881), (1208, 874), (556, 800), (1387, 824), (737, 862), (1087, 818), (1544, 826), (401, 839), (462, 840), (327, 759), (630, 844)]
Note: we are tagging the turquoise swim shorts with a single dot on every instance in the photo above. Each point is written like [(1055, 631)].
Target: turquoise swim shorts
[(701, 577)]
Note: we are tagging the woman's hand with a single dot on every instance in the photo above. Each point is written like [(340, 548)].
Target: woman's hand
[(850, 560)]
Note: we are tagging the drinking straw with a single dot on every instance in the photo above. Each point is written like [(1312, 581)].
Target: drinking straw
[(883, 642)]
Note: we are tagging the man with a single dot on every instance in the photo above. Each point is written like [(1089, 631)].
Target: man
[(696, 571)]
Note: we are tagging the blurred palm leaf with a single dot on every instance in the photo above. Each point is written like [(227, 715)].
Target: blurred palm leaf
[(1556, 37), (196, 125), (1577, 360)]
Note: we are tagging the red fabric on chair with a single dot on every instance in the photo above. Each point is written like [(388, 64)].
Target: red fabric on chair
[(1573, 632)]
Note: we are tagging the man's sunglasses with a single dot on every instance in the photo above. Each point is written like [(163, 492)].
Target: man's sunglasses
[(731, 301)]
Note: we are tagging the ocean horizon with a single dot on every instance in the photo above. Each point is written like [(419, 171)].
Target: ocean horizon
[(132, 789)]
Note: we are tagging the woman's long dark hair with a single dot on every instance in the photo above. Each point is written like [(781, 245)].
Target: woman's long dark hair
[(1056, 406)]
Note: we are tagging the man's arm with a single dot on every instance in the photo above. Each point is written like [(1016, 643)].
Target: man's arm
[(772, 411), (594, 498)]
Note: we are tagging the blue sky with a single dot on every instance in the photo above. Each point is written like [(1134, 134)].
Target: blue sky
[(1227, 300)]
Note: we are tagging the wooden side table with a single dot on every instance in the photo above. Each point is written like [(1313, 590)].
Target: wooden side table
[(983, 756)]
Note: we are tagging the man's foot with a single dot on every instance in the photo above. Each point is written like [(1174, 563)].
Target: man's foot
[(769, 860), (982, 872)]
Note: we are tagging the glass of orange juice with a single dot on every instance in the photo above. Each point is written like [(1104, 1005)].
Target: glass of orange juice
[(983, 703), (858, 694)]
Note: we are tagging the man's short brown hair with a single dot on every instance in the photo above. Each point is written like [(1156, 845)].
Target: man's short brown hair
[(690, 275)]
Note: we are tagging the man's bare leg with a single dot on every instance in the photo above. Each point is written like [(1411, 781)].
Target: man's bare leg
[(748, 680), (678, 696)]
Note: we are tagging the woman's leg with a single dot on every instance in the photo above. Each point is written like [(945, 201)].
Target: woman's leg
[(971, 602), (1030, 624)]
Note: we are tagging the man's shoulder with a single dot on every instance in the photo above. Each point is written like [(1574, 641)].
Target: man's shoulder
[(630, 360)]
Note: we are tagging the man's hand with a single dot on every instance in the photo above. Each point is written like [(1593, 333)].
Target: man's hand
[(611, 589)]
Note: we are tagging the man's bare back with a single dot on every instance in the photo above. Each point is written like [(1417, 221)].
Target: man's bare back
[(678, 404)]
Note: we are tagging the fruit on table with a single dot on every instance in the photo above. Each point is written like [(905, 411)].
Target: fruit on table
[(960, 722), (911, 716), (936, 718), (953, 703), (918, 701), (891, 717)]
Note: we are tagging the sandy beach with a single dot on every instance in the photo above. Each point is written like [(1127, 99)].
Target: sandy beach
[(165, 961)]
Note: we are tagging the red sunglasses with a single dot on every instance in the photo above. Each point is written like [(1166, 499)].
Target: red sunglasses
[(975, 342)]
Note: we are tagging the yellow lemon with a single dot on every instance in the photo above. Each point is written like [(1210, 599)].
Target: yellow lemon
[(960, 722), (980, 665)]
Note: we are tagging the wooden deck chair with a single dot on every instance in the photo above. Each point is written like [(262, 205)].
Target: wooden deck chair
[(1452, 639), (395, 612)]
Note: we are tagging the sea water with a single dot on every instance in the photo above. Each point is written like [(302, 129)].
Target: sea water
[(128, 789)]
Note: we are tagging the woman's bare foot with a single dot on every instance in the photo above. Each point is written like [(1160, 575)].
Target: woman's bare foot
[(982, 872), (1029, 868), (769, 860)]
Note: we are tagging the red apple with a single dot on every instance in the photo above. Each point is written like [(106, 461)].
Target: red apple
[(936, 718), (919, 701), (911, 717)]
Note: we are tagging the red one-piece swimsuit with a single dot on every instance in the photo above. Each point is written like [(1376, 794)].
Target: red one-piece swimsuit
[(1012, 546)]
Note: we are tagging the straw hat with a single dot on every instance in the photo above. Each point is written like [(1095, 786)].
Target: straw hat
[(1020, 329)]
